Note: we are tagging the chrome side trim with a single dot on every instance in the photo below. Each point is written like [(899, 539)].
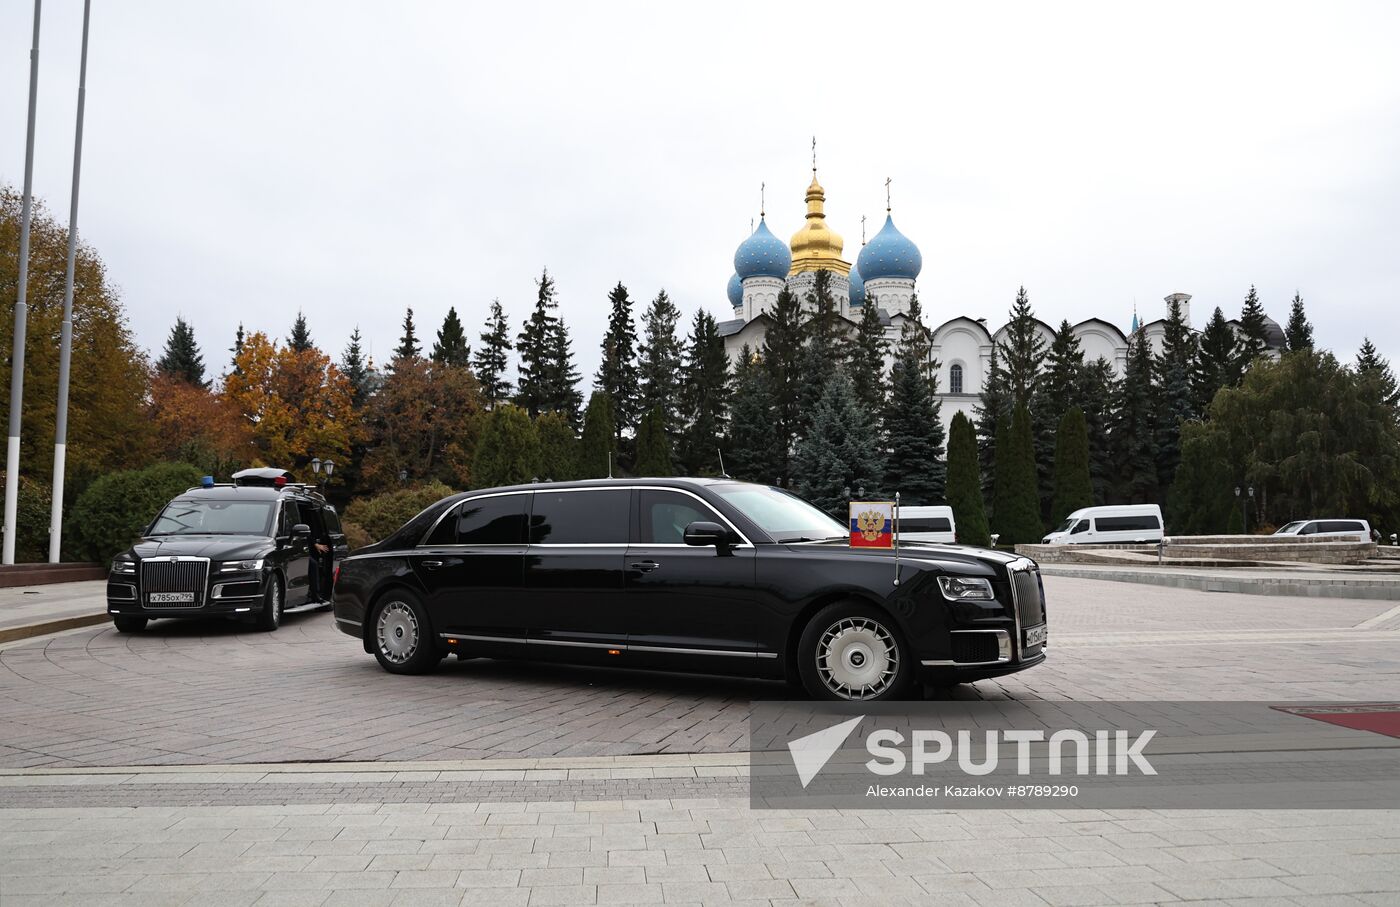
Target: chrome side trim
[(218, 593), (624, 647), (131, 591), (1003, 653), (346, 620)]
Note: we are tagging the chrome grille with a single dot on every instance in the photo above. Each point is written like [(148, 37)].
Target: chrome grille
[(185, 574), (1030, 603)]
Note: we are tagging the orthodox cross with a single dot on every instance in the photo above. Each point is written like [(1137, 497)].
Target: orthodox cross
[(814, 154), (887, 195), (761, 188), (862, 229)]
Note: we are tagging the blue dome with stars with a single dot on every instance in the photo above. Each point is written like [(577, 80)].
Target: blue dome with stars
[(762, 255), (736, 291), (890, 254), (857, 288)]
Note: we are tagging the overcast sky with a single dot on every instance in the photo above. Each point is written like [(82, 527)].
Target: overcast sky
[(245, 160)]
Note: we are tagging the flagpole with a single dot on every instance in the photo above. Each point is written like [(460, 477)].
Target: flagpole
[(65, 348), (21, 310)]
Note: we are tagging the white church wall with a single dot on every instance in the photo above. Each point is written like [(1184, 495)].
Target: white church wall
[(1098, 340)]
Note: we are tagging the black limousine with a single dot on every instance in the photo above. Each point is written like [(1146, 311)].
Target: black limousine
[(702, 575)]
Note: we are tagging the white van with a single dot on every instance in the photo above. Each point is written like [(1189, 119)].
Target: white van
[(927, 524), (1121, 525), (1335, 529)]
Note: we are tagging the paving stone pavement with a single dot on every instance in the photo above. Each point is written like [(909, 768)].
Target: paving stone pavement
[(210, 695), (216, 692)]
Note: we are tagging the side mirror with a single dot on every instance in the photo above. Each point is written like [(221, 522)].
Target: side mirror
[(702, 533), (301, 530)]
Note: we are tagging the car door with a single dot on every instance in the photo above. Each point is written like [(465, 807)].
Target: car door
[(298, 554), (471, 565), (691, 607), (573, 605)]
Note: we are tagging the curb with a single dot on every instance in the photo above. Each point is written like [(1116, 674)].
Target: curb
[(11, 634), (1349, 588)]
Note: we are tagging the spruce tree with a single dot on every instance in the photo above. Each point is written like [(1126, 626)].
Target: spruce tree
[(1057, 391), (753, 452), (782, 359), (1097, 395), (355, 368), (547, 375), (965, 484), (1375, 371), (704, 397), (913, 436), (508, 452), (1016, 516), (1217, 361), (1073, 487), (1254, 333), (868, 353), (598, 449), (409, 347), (617, 375), (1298, 335), (653, 446), (840, 458), (914, 337), (182, 358), (451, 347), (992, 414), (1175, 401), (237, 350), (1022, 351), (1202, 495), (559, 452), (493, 357), (1132, 434), (299, 340), (659, 367), (826, 328)]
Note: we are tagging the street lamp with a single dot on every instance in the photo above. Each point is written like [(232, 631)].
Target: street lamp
[(317, 465), (1244, 506)]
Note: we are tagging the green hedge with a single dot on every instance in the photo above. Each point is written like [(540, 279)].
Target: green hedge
[(110, 514), (369, 520), (31, 521)]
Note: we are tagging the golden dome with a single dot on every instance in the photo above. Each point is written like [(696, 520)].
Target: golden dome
[(816, 246)]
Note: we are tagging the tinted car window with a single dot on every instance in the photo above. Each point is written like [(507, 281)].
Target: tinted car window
[(213, 517), (580, 517), (665, 514), (332, 520), (1081, 526), (925, 524), (484, 521), (1341, 526), (1125, 523)]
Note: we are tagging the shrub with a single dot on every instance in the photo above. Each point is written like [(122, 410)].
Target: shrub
[(110, 514), (377, 517), (31, 521)]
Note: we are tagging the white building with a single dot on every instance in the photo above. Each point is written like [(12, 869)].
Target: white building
[(885, 274)]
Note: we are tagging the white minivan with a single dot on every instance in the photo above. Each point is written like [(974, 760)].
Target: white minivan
[(927, 524), (1327, 529), (1122, 525)]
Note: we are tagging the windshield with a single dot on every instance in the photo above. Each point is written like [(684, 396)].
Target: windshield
[(214, 518), (1289, 529), (1067, 525), (784, 516)]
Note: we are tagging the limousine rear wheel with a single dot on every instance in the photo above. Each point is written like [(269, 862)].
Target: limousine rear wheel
[(855, 653), (403, 639)]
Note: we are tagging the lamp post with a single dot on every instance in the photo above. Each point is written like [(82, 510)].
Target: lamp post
[(318, 465), (1243, 499)]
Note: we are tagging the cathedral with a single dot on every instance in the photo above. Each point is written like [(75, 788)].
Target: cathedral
[(885, 274)]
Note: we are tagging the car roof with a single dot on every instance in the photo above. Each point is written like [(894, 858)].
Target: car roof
[(245, 493), (681, 482)]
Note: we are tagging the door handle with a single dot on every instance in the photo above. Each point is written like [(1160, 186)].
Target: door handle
[(644, 566), (432, 565)]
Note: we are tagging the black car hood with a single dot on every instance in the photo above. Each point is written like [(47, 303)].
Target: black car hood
[(214, 547), (949, 558)]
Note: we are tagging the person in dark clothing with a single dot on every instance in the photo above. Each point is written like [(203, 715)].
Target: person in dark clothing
[(319, 571)]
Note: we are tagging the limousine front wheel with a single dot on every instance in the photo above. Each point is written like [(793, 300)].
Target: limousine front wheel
[(854, 653), (403, 640)]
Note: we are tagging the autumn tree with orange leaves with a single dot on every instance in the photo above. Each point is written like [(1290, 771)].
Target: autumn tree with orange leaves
[(422, 425), (296, 405), (194, 425)]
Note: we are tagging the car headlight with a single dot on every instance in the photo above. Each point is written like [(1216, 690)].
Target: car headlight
[(965, 588), (123, 566), (241, 566)]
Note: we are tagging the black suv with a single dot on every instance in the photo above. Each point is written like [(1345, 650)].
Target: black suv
[(687, 574), (242, 550)]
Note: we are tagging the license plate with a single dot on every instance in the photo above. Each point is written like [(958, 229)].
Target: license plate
[(1035, 636), (170, 597)]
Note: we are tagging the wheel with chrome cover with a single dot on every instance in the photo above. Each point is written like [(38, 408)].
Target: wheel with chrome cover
[(854, 653), (270, 615), (402, 636)]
